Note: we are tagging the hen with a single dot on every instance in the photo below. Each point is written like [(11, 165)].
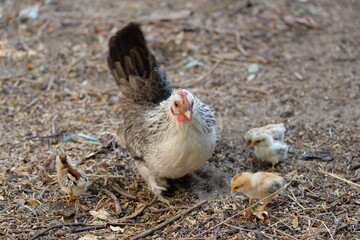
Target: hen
[(169, 133)]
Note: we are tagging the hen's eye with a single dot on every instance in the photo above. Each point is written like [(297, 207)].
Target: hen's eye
[(176, 104)]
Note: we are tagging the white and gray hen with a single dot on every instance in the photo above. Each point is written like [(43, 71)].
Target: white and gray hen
[(169, 133)]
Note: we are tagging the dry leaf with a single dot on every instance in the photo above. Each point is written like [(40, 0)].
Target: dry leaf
[(117, 229), (298, 76), (101, 214), (88, 237), (261, 215), (33, 202)]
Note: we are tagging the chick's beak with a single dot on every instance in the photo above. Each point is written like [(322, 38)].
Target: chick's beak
[(232, 191), (188, 114), (252, 144)]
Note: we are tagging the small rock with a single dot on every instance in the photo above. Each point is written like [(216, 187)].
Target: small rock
[(30, 12), (253, 68)]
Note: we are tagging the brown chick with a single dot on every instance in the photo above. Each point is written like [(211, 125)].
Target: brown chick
[(71, 181), (260, 185)]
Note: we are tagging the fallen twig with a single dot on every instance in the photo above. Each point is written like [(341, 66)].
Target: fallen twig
[(54, 227), (353, 153), (161, 225), (116, 201), (87, 228), (58, 134), (342, 179), (258, 232), (139, 209), (63, 70), (101, 150), (216, 232), (127, 194), (203, 77), (168, 209)]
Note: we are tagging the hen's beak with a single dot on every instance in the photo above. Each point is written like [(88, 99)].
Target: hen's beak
[(188, 115)]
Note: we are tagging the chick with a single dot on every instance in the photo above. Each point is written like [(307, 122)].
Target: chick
[(277, 131), (71, 181), (268, 149), (260, 185)]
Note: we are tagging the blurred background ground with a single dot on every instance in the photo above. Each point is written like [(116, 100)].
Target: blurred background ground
[(254, 62)]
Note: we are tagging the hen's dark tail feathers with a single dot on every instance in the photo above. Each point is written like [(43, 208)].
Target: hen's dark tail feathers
[(134, 68)]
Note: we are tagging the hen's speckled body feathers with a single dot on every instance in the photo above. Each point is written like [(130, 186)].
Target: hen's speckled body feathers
[(162, 146)]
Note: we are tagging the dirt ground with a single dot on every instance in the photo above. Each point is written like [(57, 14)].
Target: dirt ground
[(54, 81)]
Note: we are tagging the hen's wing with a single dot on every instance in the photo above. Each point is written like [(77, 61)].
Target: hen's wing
[(135, 69)]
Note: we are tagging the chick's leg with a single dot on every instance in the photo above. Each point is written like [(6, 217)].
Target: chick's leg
[(263, 207), (71, 199)]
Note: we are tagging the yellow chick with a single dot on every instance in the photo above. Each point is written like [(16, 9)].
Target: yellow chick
[(277, 131), (71, 181), (260, 185), (268, 149)]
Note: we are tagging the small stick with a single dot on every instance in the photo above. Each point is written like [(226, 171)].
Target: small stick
[(161, 225), (103, 176), (32, 103), (62, 71), (116, 201), (342, 179), (43, 28), (335, 228), (168, 209), (353, 153), (14, 77), (47, 136), (127, 194), (54, 227), (203, 77), (216, 233), (139, 209), (87, 228), (262, 233)]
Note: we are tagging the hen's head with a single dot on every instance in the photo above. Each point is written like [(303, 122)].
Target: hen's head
[(181, 105)]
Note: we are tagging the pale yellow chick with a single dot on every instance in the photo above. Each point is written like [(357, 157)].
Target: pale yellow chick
[(276, 131), (260, 185), (71, 181)]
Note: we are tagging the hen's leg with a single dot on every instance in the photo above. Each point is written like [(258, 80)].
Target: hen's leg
[(162, 182), (150, 179)]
